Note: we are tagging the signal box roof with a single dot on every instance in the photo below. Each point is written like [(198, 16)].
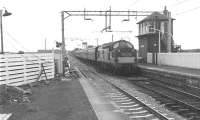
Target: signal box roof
[(153, 16)]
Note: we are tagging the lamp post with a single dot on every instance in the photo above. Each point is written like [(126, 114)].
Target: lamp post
[(159, 50), (63, 43), (6, 13)]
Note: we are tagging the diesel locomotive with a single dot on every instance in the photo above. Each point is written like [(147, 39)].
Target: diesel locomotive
[(118, 57)]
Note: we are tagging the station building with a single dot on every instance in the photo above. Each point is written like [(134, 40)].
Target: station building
[(156, 34)]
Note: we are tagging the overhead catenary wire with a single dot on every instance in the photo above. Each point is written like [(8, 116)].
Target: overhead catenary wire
[(16, 41), (182, 3), (21, 54), (179, 3), (189, 10), (12, 38), (134, 3)]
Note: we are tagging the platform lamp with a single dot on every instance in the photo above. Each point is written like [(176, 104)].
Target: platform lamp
[(6, 13)]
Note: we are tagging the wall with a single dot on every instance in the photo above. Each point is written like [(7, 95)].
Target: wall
[(19, 69), (189, 60)]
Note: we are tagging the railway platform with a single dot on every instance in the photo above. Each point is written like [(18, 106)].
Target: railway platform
[(184, 78), (173, 69)]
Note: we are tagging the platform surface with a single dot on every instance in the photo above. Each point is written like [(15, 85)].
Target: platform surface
[(60, 100), (172, 69)]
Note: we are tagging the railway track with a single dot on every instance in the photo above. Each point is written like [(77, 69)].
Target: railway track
[(184, 104), (125, 103)]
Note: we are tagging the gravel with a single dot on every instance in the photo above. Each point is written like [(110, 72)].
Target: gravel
[(148, 100)]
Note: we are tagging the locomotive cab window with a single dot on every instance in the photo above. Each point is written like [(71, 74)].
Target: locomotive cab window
[(125, 44), (129, 45), (116, 45)]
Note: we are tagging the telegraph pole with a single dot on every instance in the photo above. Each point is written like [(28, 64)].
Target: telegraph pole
[(63, 35), (1, 32), (63, 43)]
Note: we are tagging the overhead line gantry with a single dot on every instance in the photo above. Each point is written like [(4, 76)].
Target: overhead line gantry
[(108, 14)]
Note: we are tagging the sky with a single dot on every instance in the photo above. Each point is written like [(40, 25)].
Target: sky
[(33, 21)]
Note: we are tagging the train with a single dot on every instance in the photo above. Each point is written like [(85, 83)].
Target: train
[(118, 57)]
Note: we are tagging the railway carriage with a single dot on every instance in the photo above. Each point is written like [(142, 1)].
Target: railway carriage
[(91, 55)]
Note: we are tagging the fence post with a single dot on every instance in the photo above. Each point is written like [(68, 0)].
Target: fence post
[(53, 63), (40, 62)]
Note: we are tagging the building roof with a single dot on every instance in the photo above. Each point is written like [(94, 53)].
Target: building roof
[(153, 16)]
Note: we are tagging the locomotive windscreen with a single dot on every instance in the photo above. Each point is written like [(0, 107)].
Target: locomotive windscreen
[(125, 49), (123, 44)]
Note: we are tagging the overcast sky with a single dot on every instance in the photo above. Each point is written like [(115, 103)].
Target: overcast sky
[(33, 21)]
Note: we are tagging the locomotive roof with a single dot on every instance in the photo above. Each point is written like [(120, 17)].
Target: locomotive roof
[(106, 45)]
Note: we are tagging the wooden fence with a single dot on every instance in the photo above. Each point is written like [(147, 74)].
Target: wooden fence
[(19, 69)]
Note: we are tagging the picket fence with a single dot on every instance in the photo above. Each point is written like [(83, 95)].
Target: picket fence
[(19, 69)]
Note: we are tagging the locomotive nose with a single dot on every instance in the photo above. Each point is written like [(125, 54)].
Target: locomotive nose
[(125, 52)]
